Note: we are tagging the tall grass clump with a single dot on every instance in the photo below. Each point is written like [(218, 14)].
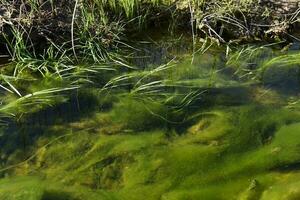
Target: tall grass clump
[(265, 65)]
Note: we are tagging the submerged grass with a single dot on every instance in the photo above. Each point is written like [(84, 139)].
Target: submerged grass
[(172, 143), (182, 130), (134, 149)]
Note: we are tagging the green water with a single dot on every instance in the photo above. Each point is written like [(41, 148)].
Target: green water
[(208, 127)]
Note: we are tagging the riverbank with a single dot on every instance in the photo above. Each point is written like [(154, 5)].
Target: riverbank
[(154, 100), (63, 21)]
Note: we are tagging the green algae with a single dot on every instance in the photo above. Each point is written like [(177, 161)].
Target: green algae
[(199, 164), (21, 188), (204, 135)]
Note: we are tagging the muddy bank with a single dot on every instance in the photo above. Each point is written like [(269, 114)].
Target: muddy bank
[(99, 25)]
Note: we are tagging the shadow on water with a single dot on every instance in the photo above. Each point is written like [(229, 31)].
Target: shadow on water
[(23, 133), (58, 195)]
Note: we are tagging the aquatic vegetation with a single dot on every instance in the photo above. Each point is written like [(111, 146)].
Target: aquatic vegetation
[(281, 70), (21, 188), (127, 164), (170, 131), (247, 60), (263, 65), (85, 119)]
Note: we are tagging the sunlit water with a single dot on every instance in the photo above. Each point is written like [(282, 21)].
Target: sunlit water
[(212, 126)]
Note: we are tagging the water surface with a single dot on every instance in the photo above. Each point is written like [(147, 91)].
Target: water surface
[(210, 125)]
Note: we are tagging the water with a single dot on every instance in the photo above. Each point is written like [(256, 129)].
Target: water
[(223, 127)]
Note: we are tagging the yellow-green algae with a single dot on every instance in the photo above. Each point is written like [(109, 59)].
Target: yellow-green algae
[(234, 141), (222, 156)]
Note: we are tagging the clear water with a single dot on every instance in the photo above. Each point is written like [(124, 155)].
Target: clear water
[(212, 126)]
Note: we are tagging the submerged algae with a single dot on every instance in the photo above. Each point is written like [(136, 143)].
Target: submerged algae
[(201, 164), (203, 134)]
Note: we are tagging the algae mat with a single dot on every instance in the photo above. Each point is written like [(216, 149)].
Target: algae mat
[(185, 131)]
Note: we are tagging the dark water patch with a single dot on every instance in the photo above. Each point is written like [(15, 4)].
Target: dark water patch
[(161, 51), (22, 134), (58, 195), (287, 168), (284, 78), (4, 59)]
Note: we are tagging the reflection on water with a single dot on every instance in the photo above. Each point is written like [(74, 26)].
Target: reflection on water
[(224, 127)]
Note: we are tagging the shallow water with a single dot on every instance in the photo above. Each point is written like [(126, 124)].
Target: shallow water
[(212, 126)]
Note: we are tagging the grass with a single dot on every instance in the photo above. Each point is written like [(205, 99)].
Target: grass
[(188, 129), (265, 65), (96, 45)]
